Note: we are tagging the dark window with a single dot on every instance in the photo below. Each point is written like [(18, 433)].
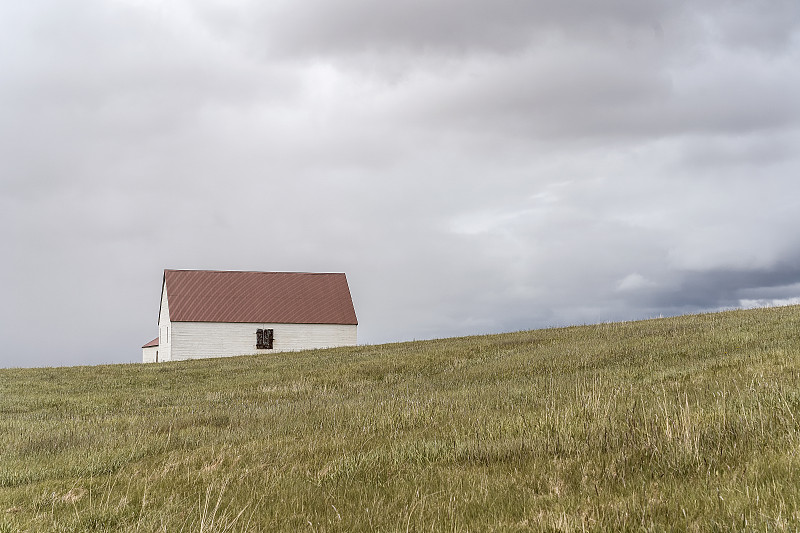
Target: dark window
[(264, 339)]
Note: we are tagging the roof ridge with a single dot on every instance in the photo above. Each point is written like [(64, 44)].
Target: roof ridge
[(252, 271)]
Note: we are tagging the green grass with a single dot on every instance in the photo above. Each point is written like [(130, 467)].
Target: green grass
[(687, 423)]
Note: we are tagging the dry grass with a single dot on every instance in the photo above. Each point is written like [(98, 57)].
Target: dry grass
[(687, 423)]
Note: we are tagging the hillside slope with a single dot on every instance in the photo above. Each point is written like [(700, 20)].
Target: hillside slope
[(679, 423)]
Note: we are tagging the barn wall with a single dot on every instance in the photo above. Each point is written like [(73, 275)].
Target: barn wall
[(164, 329), (196, 340), (149, 354)]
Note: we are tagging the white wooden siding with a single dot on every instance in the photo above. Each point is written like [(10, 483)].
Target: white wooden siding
[(149, 354), (164, 327), (197, 340)]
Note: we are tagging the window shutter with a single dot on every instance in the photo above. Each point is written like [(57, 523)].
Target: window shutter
[(264, 339)]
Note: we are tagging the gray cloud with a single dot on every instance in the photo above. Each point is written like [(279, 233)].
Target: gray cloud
[(473, 167), (442, 26)]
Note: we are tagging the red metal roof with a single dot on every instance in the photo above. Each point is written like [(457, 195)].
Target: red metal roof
[(152, 343), (258, 297)]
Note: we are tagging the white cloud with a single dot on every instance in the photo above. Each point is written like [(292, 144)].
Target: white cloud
[(774, 302), (634, 282)]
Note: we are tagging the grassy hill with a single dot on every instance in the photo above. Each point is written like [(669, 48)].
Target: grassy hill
[(688, 423)]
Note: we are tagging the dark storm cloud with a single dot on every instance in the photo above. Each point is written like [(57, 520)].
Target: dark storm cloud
[(472, 166), (722, 288)]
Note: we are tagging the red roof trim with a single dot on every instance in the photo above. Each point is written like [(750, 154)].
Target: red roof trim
[(152, 343), (258, 297)]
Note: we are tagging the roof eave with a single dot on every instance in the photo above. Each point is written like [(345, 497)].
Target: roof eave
[(267, 322)]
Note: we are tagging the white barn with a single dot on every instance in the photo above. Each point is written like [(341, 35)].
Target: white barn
[(208, 313)]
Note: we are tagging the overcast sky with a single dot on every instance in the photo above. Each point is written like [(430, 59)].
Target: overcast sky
[(473, 166)]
